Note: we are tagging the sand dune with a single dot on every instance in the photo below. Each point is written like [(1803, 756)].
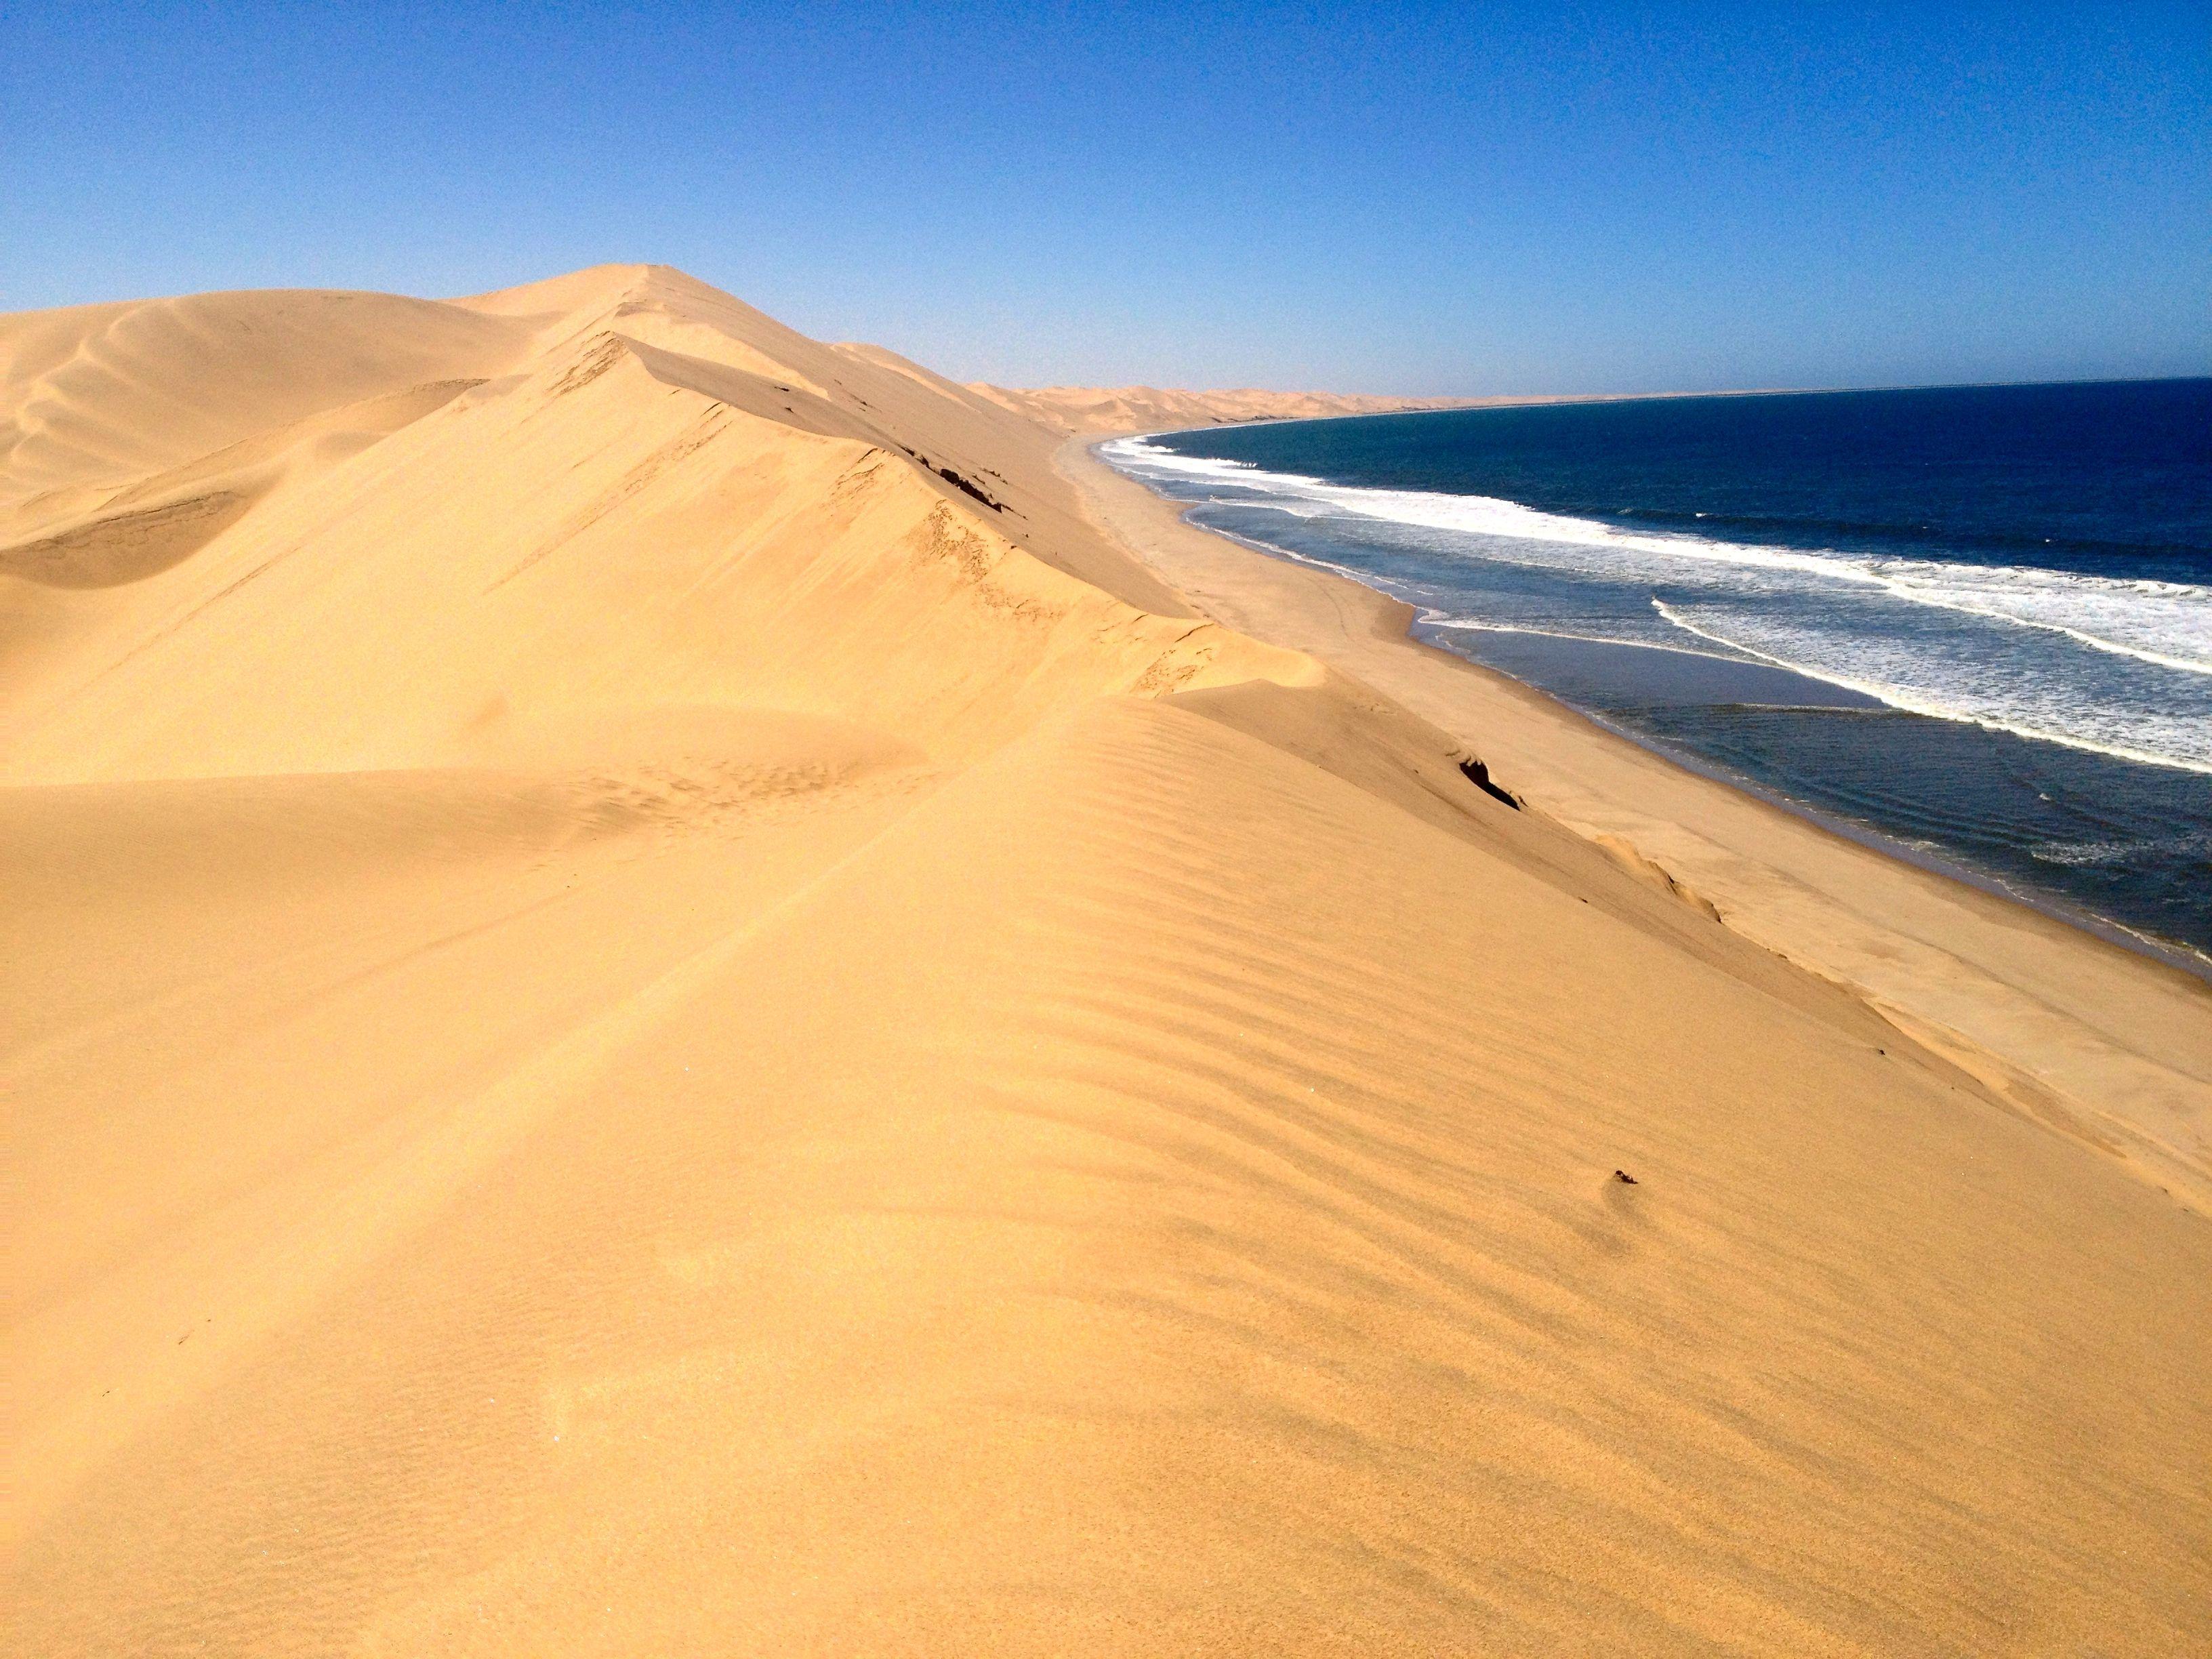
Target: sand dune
[(1150, 409), (659, 1004)]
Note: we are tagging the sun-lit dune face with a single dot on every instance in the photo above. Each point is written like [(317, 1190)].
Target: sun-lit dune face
[(103, 395), (659, 1004), (611, 523)]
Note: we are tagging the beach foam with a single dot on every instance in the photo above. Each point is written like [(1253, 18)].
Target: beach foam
[(1997, 645), (1996, 705)]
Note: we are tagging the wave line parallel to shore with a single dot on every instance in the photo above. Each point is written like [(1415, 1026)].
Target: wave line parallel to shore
[(2171, 626)]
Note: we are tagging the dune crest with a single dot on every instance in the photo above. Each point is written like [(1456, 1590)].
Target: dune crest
[(660, 1004)]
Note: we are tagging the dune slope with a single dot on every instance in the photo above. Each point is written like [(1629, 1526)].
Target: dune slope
[(656, 1005)]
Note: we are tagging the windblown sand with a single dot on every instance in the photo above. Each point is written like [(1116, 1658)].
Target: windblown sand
[(661, 1000)]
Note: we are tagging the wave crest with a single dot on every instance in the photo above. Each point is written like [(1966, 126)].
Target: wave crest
[(2166, 623)]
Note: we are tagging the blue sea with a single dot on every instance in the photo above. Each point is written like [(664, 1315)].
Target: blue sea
[(1975, 621)]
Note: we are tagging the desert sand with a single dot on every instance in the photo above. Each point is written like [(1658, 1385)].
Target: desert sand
[(672, 989), (1093, 410)]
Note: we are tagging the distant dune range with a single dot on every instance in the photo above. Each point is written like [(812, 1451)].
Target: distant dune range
[(660, 1002), (1149, 408)]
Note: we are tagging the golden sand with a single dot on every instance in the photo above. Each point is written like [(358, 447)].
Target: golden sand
[(667, 996)]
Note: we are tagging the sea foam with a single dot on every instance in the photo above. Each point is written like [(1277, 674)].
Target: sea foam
[(2114, 665), (2167, 623)]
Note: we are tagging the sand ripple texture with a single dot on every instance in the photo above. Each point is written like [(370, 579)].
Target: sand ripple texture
[(662, 1009)]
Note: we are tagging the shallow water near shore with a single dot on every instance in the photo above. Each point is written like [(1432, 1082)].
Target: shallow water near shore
[(1975, 622)]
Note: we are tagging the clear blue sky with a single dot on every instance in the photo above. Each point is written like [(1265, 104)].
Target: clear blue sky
[(1451, 198)]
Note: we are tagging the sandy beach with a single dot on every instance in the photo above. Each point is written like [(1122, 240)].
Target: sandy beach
[(677, 989)]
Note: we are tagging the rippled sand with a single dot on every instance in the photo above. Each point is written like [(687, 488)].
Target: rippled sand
[(659, 1004)]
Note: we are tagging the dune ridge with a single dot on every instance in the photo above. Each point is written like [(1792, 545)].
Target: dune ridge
[(660, 1003)]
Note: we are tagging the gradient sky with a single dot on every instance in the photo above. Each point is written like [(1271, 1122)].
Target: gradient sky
[(1447, 199)]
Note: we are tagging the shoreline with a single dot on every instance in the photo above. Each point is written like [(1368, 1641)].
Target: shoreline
[(2102, 928), (2100, 1037), (2166, 953)]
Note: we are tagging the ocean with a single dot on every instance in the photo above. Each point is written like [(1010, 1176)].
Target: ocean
[(1972, 622)]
